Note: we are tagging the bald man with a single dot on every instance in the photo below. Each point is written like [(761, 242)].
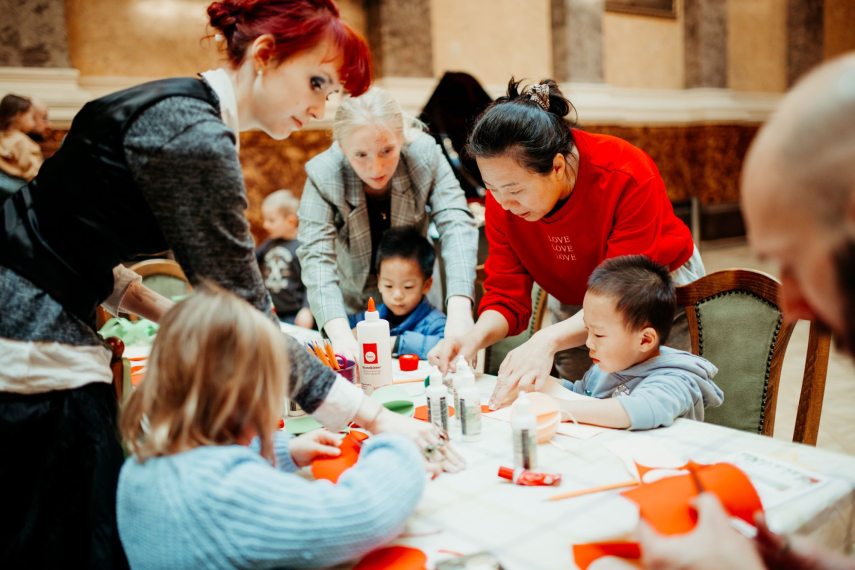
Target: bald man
[(42, 127), (798, 198)]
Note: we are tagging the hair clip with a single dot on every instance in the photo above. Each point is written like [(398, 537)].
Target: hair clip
[(540, 94)]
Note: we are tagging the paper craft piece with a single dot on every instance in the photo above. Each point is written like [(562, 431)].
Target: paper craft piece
[(301, 425), (331, 468), (406, 376), (644, 450), (132, 333), (665, 504), (776, 482), (585, 554), (393, 558), (580, 431), (403, 407)]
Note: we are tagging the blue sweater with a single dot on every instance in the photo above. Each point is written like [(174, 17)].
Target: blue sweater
[(675, 384), (227, 507), (419, 332)]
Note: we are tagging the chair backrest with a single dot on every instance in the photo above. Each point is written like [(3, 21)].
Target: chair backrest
[(735, 322), (495, 354), (163, 276)]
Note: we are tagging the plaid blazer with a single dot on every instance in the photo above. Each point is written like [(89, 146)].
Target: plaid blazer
[(335, 236)]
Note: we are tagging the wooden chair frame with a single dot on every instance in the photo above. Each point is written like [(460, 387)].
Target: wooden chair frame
[(766, 287)]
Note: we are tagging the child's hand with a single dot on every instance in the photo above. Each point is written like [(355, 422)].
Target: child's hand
[(304, 318), (317, 443)]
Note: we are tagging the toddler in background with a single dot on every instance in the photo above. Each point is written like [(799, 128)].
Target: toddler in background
[(405, 262), (628, 310), (212, 479), (278, 261), (20, 156)]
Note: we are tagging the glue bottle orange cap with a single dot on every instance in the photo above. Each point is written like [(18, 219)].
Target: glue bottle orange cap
[(371, 306)]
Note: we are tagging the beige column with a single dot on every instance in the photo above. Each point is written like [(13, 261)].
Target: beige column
[(33, 34), (400, 37), (705, 37), (577, 40)]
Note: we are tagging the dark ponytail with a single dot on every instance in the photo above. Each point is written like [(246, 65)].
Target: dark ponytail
[(518, 124)]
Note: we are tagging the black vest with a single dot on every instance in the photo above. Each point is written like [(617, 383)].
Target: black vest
[(83, 214)]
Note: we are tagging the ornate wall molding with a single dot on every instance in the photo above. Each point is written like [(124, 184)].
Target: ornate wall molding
[(65, 92)]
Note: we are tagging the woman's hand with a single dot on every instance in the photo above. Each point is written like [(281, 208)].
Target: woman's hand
[(526, 368), (445, 353), (713, 544), (317, 443), (435, 447), (797, 552), (342, 338)]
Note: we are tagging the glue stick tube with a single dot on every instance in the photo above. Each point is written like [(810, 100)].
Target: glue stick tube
[(437, 401)]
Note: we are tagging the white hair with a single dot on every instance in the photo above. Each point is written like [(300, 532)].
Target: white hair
[(375, 107)]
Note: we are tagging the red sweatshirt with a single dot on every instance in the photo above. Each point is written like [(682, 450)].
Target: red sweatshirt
[(619, 206)]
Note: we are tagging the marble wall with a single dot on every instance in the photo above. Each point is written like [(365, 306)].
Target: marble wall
[(642, 51), (32, 34), (492, 39), (757, 54)]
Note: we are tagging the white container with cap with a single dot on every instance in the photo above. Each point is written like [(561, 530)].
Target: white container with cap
[(375, 350), (437, 401), (463, 376), (469, 410), (524, 434)]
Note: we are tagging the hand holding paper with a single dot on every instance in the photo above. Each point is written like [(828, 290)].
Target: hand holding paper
[(309, 446)]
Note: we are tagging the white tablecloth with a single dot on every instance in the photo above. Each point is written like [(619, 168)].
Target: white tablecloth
[(476, 511)]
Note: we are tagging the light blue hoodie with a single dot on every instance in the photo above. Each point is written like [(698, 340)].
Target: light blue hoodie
[(675, 384)]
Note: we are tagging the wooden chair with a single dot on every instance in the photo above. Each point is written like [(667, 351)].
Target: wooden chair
[(495, 354), (735, 322), (163, 276)]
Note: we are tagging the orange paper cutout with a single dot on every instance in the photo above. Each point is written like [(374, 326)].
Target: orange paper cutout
[(421, 412), (331, 468), (393, 557), (665, 504), (585, 554)]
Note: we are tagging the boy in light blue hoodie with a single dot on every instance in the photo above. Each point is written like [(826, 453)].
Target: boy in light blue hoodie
[(628, 310)]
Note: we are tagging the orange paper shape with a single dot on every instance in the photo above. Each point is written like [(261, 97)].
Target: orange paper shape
[(422, 414), (585, 554), (331, 468), (393, 557), (666, 504)]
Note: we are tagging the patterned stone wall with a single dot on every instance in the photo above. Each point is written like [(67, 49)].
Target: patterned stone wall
[(32, 34)]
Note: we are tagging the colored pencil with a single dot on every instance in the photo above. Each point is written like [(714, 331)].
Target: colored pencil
[(591, 490)]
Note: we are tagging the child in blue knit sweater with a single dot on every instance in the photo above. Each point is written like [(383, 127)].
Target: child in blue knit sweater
[(404, 263), (211, 482)]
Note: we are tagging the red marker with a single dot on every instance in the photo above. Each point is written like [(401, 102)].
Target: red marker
[(530, 478), (408, 362)]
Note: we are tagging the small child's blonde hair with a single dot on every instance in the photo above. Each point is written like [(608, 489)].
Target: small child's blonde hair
[(217, 372), (375, 107), (283, 201)]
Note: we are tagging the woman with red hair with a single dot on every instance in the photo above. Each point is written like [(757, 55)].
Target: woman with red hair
[(147, 169)]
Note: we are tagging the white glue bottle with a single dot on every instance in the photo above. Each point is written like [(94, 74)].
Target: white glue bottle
[(524, 433), (375, 350), (437, 401), (463, 376), (469, 408)]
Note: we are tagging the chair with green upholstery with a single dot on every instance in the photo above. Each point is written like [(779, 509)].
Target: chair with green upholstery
[(735, 322), (494, 355), (163, 276)]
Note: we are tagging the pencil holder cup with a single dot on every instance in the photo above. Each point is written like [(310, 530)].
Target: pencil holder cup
[(347, 368)]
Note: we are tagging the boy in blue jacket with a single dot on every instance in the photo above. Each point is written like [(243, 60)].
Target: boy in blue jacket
[(404, 276), (628, 310)]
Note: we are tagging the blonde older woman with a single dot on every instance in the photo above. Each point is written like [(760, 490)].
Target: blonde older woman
[(383, 171)]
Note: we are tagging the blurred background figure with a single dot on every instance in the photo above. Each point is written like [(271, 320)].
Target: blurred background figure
[(20, 156), (41, 123)]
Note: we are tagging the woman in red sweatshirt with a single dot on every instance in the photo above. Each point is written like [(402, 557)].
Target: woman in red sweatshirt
[(560, 201)]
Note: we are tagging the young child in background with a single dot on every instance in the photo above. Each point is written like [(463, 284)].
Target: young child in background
[(278, 261), (404, 276), (20, 156), (212, 479), (628, 310)]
